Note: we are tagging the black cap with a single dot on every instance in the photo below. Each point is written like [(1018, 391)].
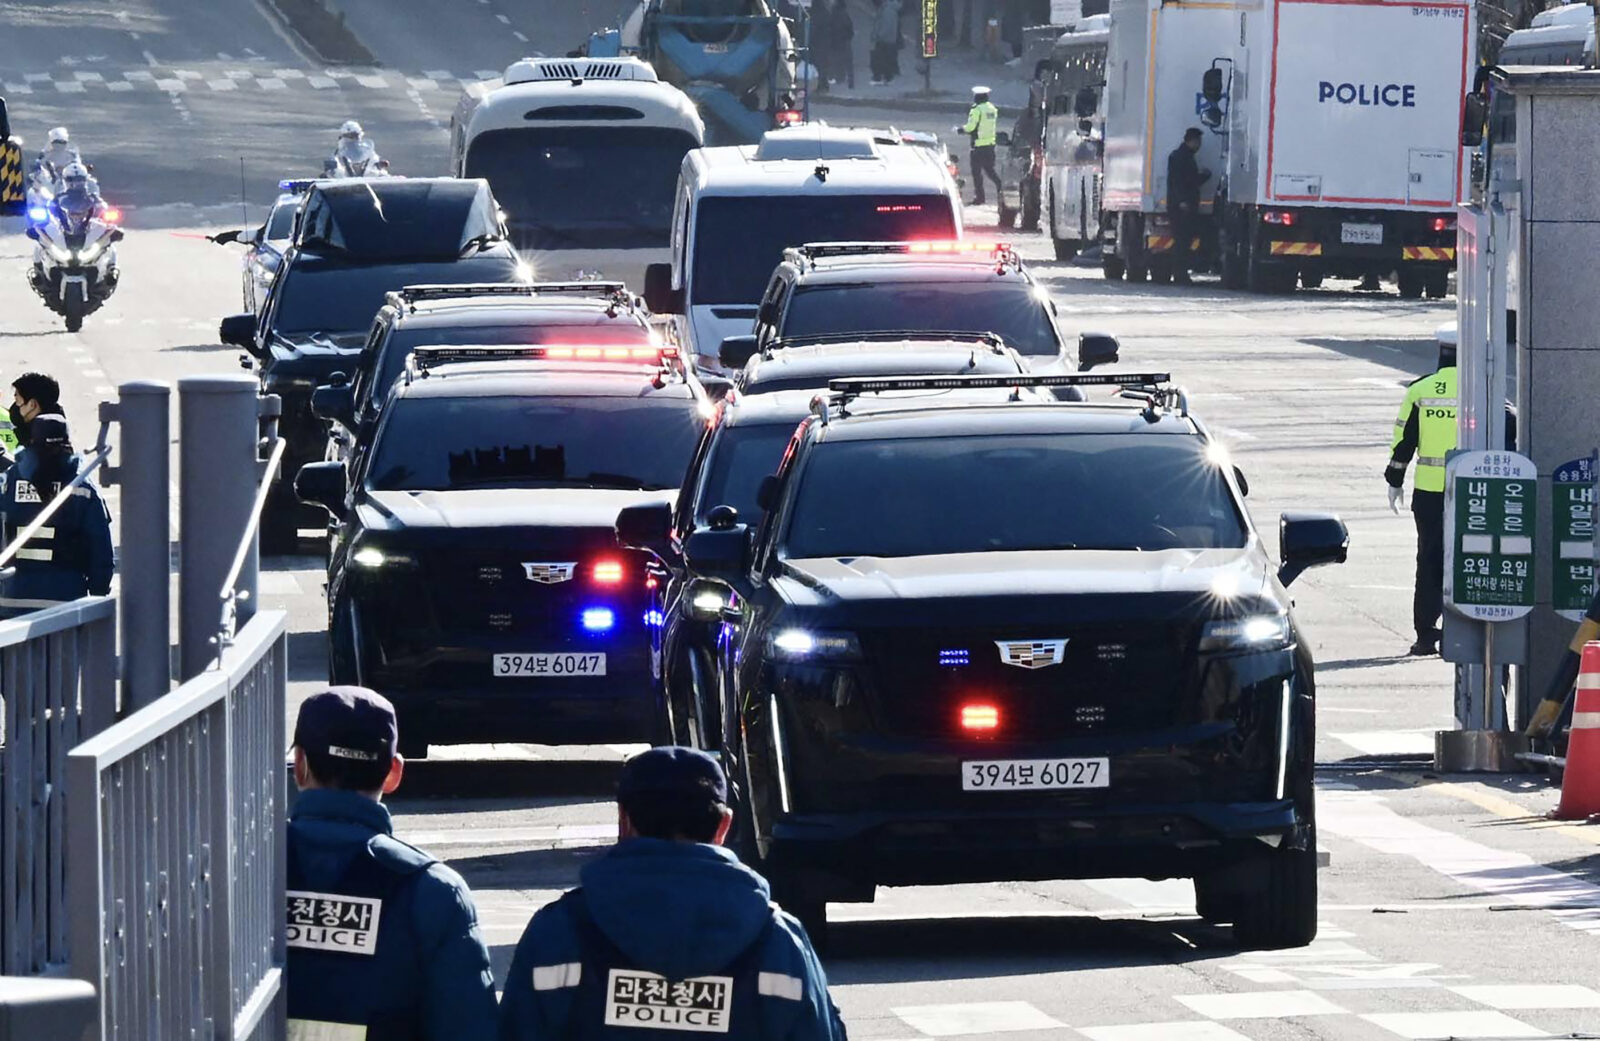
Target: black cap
[(1192, 134), (672, 770), (48, 429), (351, 723)]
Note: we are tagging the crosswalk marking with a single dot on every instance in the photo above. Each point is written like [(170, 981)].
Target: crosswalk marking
[(1532, 996), (978, 1017), (1420, 1026), (1267, 1004)]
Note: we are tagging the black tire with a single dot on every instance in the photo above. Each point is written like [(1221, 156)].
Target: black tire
[(1213, 902), (1410, 283), (1310, 281), (1161, 270), (342, 666), (809, 908), (1030, 205), (1007, 216), (1282, 911), (1436, 283), (1113, 268), (1066, 249), (413, 746), (72, 310), (1137, 273)]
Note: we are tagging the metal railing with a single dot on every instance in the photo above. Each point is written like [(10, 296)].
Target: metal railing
[(232, 593), (177, 825), (58, 674)]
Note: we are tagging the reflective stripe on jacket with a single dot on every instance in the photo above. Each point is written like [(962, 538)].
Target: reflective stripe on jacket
[(1426, 429)]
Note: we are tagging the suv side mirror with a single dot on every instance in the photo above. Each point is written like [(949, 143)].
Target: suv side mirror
[(1473, 113), (1309, 540), (736, 350), (323, 484), (647, 526), (1097, 349), (335, 402), (659, 295), (717, 551), (239, 330)]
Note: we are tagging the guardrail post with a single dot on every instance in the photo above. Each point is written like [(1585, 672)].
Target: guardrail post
[(145, 474), (217, 471)]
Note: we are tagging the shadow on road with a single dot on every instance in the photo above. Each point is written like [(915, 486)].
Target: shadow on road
[(506, 778)]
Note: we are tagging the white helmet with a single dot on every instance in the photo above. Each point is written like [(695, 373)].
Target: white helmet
[(76, 175), (59, 136), (350, 129)]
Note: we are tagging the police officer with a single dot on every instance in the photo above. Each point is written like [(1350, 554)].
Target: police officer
[(983, 121), (70, 556), (669, 934), (383, 939), (1184, 178), (32, 394), (1426, 429)]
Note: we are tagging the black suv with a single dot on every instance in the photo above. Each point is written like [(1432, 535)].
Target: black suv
[(825, 288), (597, 315), (475, 577), (1019, 641), (330, 284)]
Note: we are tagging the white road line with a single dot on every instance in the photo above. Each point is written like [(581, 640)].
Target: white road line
[(1192, 1030), (1421, 1025), (519, 35), (1267, 1004), (105, 388), (95, 374), (1532, 996), (979, 1017), (502, 19)]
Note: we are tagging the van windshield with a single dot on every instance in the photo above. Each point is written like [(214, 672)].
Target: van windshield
[(738, 240), (589, 187)]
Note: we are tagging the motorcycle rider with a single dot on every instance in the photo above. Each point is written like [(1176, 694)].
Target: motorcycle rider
[(80, 194), (58, 154), (353, 152)]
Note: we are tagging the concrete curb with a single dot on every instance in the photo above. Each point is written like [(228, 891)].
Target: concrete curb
[(360, 55)]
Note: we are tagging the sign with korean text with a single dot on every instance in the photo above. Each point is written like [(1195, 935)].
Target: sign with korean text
[(651, 1002), (1572, 538), (1491, 516), (333, 922), (930, 28)]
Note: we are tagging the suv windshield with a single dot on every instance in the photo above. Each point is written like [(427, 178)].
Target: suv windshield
[(592, 187), (740, 458), (738, 240), (438, 443), (1009, 309), (1000, 492), (338, 299)]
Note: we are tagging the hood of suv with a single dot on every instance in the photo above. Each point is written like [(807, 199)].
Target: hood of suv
[(503, 507)]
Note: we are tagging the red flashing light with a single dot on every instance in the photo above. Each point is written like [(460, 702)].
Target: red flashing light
[(980, 718), (957, 247), (785, 117), (1443, 223), (558, 352), (606, 572), (111, 215), (900, 207), (1283, 217)]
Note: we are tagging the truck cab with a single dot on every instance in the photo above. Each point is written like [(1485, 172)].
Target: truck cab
[(582, 155)]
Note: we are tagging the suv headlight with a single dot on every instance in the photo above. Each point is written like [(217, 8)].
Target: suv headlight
[(812, 645), (371, 557), (1256, 632)]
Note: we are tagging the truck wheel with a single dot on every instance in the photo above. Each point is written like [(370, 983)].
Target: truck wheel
[(1030, 205), (1436, 283), (1066, 249), (1160, 270), (1282, 911), (1310, 281), (1007, 216), (1410, 282), (413, 746), (1112, 268), (809, 908)]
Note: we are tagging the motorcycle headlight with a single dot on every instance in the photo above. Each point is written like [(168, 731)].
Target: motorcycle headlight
[(90, 253), (1257, 632), (62, 254), (812, 645)]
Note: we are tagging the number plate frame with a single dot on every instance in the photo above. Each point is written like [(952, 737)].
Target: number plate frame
[(1034, 775), (1361, 234), (548, 665)]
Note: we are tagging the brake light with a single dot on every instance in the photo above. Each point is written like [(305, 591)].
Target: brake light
[(1443, 223), (980, 718), (606, 572), (785, 117), (957, 247), (111, 215), (1283, 217), (900, 207)]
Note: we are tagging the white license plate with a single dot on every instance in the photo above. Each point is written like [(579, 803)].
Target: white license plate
[(1014, 775), (1361, 234), (523, 665), (716, 48)]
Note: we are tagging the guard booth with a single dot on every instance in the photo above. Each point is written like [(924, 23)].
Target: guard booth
[(1526, 247)]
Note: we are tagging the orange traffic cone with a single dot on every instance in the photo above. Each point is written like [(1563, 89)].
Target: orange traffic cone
[(1580, 783)]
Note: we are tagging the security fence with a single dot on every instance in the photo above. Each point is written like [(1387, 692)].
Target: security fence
[(177, 832)]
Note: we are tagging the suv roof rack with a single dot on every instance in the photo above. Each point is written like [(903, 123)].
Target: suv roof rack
[(410, 296), (424, 359), (1153, 388), (993, 341), (1002, 253)]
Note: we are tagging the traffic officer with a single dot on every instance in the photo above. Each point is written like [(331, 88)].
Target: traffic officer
[(383, 939), (32, 394), (983, 121), (1426, 429), (70, 556), (669, 934)]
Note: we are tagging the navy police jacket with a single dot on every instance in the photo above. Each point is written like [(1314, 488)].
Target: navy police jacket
[(381, 936), (69, 557), (667, 939)]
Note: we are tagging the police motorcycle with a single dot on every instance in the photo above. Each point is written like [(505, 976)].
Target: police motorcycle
[(354, 156), (74, 256)]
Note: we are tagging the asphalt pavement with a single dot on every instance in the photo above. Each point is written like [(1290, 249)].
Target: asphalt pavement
[(1451, 908)]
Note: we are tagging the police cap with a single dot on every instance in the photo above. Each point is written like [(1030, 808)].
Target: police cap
[(48, 429), (350, 723), (672, 770)]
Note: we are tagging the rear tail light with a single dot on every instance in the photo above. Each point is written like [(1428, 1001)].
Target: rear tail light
[(606, 572), (980, 718), (785, 117), (1443, 223), (1283, 217)]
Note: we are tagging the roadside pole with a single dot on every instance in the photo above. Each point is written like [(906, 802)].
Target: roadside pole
[(930, 41)]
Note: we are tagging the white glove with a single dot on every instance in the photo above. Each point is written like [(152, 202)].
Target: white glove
[(1395, 495)]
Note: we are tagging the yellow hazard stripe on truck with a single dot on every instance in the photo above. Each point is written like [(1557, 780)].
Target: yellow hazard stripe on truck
[(1297, 249), (1427, 253), (1163, 243), (13, 196)]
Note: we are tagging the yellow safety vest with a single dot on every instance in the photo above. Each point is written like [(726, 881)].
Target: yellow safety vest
[(983, 122), (1430, 403)]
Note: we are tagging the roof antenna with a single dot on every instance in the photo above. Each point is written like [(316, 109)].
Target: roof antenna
[(821, 171)]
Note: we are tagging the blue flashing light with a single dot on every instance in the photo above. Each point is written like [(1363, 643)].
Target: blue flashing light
[(954, 657), (599, 619), (38, 214), (654, 619)]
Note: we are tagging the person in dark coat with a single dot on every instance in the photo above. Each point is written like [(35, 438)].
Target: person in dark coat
[(70, 556), (1184, 178)]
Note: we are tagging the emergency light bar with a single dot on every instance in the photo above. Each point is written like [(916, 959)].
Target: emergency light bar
[(598, 290), (298, 187), (994, 341), (425, 358), (815, 250), (855, 385)]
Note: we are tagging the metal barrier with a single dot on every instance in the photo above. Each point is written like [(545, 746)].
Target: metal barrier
[(177, 826), (58, 675)]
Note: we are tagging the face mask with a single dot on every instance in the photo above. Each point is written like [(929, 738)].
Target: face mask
[(19, 426)]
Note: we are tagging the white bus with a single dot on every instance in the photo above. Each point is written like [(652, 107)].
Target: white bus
[(583, 156)]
